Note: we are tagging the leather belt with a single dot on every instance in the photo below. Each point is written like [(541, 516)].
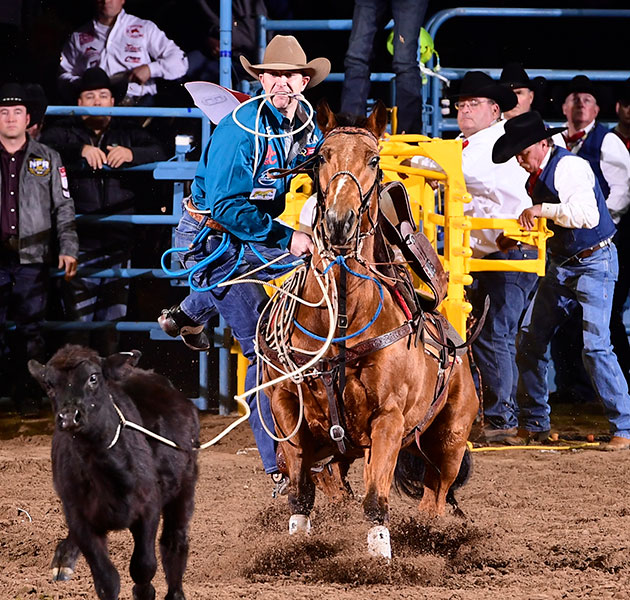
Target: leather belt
[(205, 220), (590, 251)]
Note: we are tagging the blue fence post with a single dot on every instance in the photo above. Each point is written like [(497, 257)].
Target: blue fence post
[(225, 43)]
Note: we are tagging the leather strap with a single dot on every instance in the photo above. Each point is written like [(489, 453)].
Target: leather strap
[(205, 220)]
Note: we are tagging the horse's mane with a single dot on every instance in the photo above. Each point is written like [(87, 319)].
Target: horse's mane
[(345, 119)]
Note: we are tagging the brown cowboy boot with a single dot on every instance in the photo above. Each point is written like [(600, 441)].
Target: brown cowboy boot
[(174, 321)]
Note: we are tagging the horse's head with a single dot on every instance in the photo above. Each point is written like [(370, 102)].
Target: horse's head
[(349, 174)]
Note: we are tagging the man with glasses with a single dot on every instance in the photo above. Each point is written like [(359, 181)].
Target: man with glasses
[(498, 191)]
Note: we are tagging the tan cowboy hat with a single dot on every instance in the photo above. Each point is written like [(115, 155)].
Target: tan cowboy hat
[(284, 53)]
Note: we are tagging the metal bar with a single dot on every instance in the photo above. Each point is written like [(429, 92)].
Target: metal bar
[(225, 43), (126, 111)]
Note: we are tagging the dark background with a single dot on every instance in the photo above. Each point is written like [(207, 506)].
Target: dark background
[(33, 31)]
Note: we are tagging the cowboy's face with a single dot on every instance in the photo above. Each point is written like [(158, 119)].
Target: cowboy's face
[(109, 8), (475, 114), (525, 98), (13, 121), (580, 109), (99, 98), (102, 97), (283, 84), (531, 158), (623, 113)]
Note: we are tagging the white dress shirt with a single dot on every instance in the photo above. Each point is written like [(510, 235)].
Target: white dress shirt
[(129, 43), (615, 166), (574, 181), (498, 190)]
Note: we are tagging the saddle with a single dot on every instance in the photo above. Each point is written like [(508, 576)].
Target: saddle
[(401, 232)]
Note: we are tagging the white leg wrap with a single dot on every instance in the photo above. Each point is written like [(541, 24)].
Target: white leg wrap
[(299, 524), (378, 542)]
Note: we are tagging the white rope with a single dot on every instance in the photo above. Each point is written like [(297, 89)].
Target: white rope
[(259, 134), (124, 423)]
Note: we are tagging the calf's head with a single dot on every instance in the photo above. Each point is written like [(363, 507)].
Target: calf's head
[(75, 380)]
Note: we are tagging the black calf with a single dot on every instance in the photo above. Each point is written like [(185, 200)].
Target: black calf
[(110, 478)]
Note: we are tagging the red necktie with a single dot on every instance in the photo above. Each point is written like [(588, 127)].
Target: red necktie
[(465, 143), (572, 140), (531, 182)]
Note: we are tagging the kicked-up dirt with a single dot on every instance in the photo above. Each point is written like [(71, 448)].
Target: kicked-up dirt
[(540, 524)]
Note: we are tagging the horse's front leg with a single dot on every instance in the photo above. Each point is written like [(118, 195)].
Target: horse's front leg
[(298, 454), (378, 473)]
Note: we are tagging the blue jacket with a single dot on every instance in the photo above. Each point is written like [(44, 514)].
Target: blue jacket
[(568, 242), (591, 150), (239, 194)]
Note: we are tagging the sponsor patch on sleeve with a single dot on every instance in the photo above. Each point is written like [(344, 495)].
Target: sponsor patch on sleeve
[(64, 182), (260, 194)]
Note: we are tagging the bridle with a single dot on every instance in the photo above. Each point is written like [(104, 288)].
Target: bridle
[(322, 194)]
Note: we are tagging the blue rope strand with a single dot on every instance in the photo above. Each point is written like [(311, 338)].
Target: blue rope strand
[(342, 263), (261, 258), (205, 262), (197, 240)]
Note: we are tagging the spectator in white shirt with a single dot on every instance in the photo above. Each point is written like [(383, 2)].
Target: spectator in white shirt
[(610, 161), (580, 276), (125, 47), (498, 191)]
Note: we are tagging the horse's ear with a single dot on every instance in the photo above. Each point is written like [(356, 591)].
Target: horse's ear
[(115, 365), (377, 121), (325, 117), (38, 371)]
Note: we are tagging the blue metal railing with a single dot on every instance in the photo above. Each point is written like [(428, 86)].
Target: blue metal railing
[(178, 171), (437, 123)]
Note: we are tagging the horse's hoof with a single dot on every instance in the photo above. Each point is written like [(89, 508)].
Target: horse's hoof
[(378, 542), (62, 573), (299, 524)]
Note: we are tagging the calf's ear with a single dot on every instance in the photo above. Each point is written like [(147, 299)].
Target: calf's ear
[(38, 371), (115, 364)]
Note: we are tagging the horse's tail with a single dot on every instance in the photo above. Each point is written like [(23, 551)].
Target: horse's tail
[(410, 470)]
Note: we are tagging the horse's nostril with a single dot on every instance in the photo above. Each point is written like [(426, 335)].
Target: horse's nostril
[(340, 227)]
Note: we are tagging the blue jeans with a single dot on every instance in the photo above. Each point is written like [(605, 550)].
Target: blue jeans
[(23, 299), (510, 293), (240, 305), (588, 283), (369, 17)]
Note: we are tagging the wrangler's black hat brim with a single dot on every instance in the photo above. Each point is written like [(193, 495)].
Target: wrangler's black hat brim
[(520, 133)]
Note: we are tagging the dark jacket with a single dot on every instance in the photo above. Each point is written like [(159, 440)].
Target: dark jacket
[(102, 191), (46, 212)]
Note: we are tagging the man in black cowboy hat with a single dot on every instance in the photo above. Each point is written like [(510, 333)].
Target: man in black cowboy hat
[(581, 273), (587, 138), (516, 78), (498, 192), (610, 162), (36, 216), (233, 194), (94, 148)]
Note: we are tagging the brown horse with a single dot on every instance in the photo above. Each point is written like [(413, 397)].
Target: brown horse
[(366, 399)]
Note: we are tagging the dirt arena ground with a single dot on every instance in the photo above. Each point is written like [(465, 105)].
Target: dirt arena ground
[(540, 525)]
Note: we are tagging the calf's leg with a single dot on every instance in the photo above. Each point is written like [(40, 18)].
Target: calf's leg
[(143, 562), (174, 540), (64, 560)]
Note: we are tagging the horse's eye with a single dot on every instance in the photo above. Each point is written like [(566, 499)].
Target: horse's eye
[(374, 162), (93, 380), (322, 160)]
